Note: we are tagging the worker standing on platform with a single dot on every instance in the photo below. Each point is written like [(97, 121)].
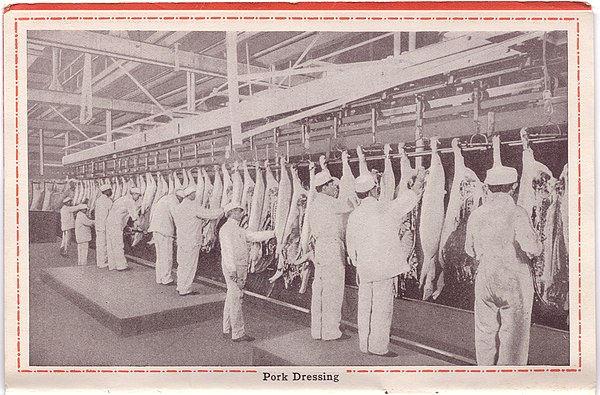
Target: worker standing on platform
[(102, 207), (162, 226), (234, 262), (67, 224), (372, 243), (189, 217), (122, 209), (83, 234), (501, 238), (326, 222)]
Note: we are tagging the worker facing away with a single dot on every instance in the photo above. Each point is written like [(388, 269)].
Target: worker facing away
[(326, 222), (234, 262), (189, 217), (121, 211), (372, 243), (162, 226), (501, 239), (67, 224), (83, 234), (102, 207)]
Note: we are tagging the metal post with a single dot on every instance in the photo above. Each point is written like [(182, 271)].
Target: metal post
[(397, 43), (41, 152), (191, 91), (109, 134), (412, 41), (233, 88), (374, 124)]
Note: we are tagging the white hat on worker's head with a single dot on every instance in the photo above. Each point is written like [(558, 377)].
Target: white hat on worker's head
[(232, 206), (105, 187), (67, 199), (135, 190), (179, 193), (322, 178), (364, 183), (501, 175), (188, 191)]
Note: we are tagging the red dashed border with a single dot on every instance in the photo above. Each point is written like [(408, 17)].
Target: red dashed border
[(297, 18)]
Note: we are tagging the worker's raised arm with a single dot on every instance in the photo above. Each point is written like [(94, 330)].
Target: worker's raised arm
[(408, 200), (208, 213), (257, 237), (469, 241), (525, 235)]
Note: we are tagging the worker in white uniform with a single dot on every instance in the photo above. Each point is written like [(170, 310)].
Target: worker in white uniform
[(122, 209), (372, 243), (102, 207), (327, 227), (67, 224), (83, 234), (501, 239), (189, 217), (234, 262), (162, 226)]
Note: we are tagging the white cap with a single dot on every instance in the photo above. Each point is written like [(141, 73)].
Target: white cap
[(135, 190), (501, 175), (180, 193), (67, 199), (322, 178), (230, 206), (364, 183), (188, 191), (105, 187)]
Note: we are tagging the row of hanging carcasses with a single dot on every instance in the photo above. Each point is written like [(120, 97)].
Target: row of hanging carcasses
[(48, 195), (433, 243)]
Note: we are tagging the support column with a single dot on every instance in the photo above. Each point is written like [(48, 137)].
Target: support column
[(233, 89), (191, 91), (67, 142), (41, 152), (412, 41), (109, 128), (397, 43)]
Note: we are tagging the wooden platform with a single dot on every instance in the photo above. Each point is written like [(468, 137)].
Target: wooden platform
[(130, 302), (299, 349)]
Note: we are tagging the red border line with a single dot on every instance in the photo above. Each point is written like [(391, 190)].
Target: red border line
[(312, 6), (286, 6)]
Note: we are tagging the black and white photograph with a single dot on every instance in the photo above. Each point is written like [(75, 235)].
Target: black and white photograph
[(300, 204)]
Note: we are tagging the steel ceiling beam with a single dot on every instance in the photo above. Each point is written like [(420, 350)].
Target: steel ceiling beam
[(142, 52), (61, 126), (74, 99)]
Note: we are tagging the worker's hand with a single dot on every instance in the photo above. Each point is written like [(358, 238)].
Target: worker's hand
[(419, 182)]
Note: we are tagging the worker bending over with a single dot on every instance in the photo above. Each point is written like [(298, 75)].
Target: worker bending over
[(83, 234), (234, 262), (67, 224), (326, 221), (122, 209), (373, 247), (189, 217), (500, 237), (102, 207), (162, 226)]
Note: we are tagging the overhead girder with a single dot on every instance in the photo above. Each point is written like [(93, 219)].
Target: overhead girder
[(141, 52)]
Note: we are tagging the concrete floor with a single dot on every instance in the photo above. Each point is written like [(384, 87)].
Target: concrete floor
[(63, 334)]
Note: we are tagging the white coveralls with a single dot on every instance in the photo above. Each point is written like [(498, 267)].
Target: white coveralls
[(234, 262), (122, 209), (162, 226), (189, 217), (67, 224), (83, 236), (372, 242), (102, 207), (326, 221), (499, 234)]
